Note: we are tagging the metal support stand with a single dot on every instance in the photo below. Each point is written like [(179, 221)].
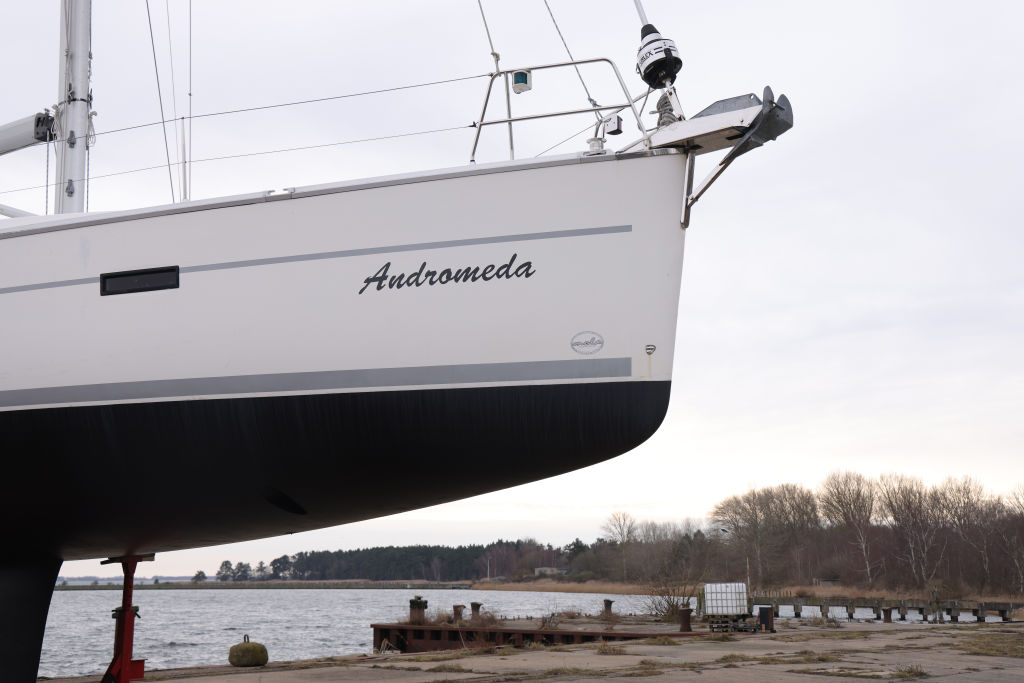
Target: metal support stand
[(122, 667)]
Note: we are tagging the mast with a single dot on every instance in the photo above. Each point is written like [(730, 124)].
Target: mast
[(74, 100)]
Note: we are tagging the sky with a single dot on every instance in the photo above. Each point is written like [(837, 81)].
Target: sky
[(852, 295)]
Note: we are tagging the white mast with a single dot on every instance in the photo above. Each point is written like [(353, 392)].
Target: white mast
[(74, 100)]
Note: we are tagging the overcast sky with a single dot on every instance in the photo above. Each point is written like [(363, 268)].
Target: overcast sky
[(852, 294)]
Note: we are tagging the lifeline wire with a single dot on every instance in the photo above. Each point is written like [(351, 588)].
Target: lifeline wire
[(289, 104), (298, 102), (265, 152), (160, 96)]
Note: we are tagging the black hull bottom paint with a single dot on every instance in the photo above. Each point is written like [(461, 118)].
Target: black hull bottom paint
[(101, 481)]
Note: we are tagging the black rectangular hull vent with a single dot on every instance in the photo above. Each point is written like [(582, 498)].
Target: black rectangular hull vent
[(146, 280)]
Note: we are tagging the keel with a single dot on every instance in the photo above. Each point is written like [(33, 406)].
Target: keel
[(26, 585)]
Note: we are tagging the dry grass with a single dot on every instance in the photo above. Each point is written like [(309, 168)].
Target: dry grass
[(717, 638), (605, 648), (549, 585), (909, 671), (659, 640), (1001, 644), (825, 622), (450, 669), (822, 635), (573, 671)]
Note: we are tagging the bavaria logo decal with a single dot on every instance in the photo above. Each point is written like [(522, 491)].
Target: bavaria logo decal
[(587, 343)]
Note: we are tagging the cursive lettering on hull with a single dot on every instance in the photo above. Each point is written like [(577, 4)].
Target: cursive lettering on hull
[(382, 279)]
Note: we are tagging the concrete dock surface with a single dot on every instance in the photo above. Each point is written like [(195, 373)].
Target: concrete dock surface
[(796, 652)]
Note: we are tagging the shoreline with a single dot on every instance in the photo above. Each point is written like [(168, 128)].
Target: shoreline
[(854, 650), (540, 586)]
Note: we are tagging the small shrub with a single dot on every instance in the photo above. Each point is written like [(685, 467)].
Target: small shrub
[(660, 640), (910, 671), (606, 648)]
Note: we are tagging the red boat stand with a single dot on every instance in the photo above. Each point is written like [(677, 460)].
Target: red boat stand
[(122, 667)]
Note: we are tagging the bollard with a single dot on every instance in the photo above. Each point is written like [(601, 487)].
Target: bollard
[(887, 615), (417, 610), (247, 653), (457, 612), (766, 619), (475, 607), (607, 608), (684, 619)]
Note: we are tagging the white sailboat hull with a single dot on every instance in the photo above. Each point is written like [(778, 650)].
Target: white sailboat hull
[(429, 323)]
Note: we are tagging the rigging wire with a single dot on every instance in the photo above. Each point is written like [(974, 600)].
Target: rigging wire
[(593, 102), (497, 67), (160, 96), (188, 136), (266, 152), (174, 91)]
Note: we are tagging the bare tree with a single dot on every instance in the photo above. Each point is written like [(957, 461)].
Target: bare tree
[(621, 528), (743, 518), (914, 513), (1010, 529), (792, 521), (680, 571), (848, 499), (974, 517)]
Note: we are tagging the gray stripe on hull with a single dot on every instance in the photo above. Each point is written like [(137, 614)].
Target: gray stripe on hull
[(584, 368), (348, 253)]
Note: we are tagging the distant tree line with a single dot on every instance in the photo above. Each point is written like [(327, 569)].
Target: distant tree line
[(894, 533)]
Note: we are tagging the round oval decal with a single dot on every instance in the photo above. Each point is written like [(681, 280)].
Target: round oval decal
[(587, 343)]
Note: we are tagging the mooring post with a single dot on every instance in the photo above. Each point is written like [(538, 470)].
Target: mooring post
[(607, 608), (457, 612), (887, 615), (475, 609), (417, 610)]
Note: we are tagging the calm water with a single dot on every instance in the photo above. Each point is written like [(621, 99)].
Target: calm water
[(193, 627)]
